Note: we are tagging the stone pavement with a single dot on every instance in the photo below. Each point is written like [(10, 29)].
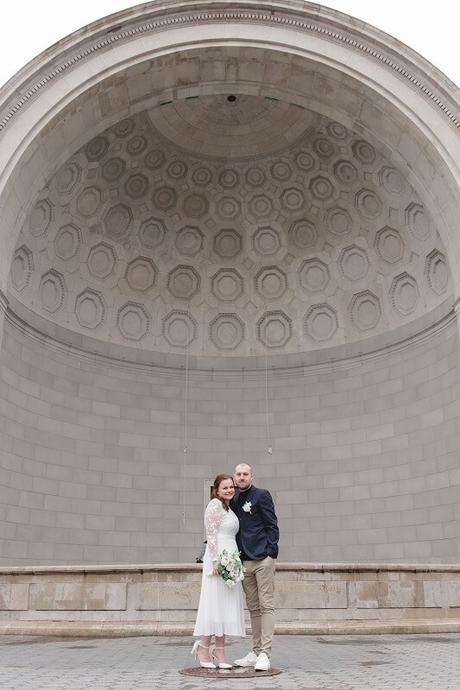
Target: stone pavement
[(368, 662)]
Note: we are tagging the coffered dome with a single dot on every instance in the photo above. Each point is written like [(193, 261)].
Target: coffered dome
[(229, 225)]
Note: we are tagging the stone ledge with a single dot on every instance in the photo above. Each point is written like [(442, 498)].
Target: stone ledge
[(196, 567), (141, 629)]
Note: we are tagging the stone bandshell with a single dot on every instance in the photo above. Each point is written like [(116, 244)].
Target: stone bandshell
[(332, 403)]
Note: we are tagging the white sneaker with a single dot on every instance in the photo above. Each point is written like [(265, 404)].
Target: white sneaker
[(262, 663), (247, 661)]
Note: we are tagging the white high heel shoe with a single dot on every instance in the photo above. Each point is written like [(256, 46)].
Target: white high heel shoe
[(203, 664), (220, 664)]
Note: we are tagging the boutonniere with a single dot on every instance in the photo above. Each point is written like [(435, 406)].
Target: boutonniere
[(247, 507)]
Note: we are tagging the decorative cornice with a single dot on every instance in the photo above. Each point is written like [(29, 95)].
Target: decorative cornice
[(3, 303), (296, 567), (352, 40)]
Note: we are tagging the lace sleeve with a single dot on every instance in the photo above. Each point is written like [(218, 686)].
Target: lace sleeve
[(212, 518)]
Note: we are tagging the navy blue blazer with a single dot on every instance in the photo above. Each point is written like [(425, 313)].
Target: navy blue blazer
[(259, 534)]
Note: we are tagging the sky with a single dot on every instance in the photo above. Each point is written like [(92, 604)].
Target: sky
[(29, 27)]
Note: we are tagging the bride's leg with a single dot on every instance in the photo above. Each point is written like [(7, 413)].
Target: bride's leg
[(219, 649), (202, 649), (219, 652)]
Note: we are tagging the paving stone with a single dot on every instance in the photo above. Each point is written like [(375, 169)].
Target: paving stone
[(367, 662)]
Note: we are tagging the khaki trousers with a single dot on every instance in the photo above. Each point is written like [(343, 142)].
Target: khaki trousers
[(259, 587)]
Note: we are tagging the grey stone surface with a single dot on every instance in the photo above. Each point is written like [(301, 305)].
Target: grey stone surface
[(385, 662), (87, 479)]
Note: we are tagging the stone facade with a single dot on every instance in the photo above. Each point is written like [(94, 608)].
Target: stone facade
[(363, 462)]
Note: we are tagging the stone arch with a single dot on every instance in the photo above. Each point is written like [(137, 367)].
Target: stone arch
[(403, 87), (349, 406)]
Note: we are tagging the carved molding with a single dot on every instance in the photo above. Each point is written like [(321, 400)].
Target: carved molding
[(3, 303), (347, 36)]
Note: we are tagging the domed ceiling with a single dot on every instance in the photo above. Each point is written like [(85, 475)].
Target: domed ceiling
[(229, 225)]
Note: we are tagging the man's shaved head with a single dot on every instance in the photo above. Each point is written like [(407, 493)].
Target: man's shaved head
[(245, 466), (243, 476)]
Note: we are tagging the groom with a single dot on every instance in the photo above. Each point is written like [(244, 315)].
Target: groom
[(258, 543)]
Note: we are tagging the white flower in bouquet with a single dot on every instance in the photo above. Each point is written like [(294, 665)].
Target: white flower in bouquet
[(230, 568)]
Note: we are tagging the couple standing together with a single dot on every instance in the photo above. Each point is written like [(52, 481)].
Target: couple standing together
[(244, 522)]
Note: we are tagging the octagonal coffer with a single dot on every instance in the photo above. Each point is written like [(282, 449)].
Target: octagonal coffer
[(117, 221), (321, 188), (389, 244), (321, 322), (137, 186), (67, 178), (179, 328), (89, 201), (365, 310), (67, 241), (314, 275), (90, 309), (418, 221), (437, 271), (368, 204), (303, 233), (96, 148), (52, 291), (404, 293), (184, 282), (189, 240), (133, 321), (226, 331), (274, 329), (197, 206), (292, 199), (40, 217), (266, 241), (227, 243), (102, 260), (353, 262), (227, 284), (164, 198), (152, 232), (271, 282), (22, 267), (141, 274)]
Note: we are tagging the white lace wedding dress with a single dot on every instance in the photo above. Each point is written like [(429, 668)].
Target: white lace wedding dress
[(220, 611)]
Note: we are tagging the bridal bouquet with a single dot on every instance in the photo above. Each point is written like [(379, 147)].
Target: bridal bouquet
[(230, 567)]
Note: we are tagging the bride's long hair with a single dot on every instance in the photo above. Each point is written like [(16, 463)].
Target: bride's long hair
[(215, 487)]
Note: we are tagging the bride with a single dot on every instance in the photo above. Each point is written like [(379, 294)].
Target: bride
[(220, 611)]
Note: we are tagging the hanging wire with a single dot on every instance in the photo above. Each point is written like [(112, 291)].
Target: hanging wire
[(185, 437), (267, 411)]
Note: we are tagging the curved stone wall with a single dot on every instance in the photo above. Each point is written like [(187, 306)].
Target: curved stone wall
[(364, 462)]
